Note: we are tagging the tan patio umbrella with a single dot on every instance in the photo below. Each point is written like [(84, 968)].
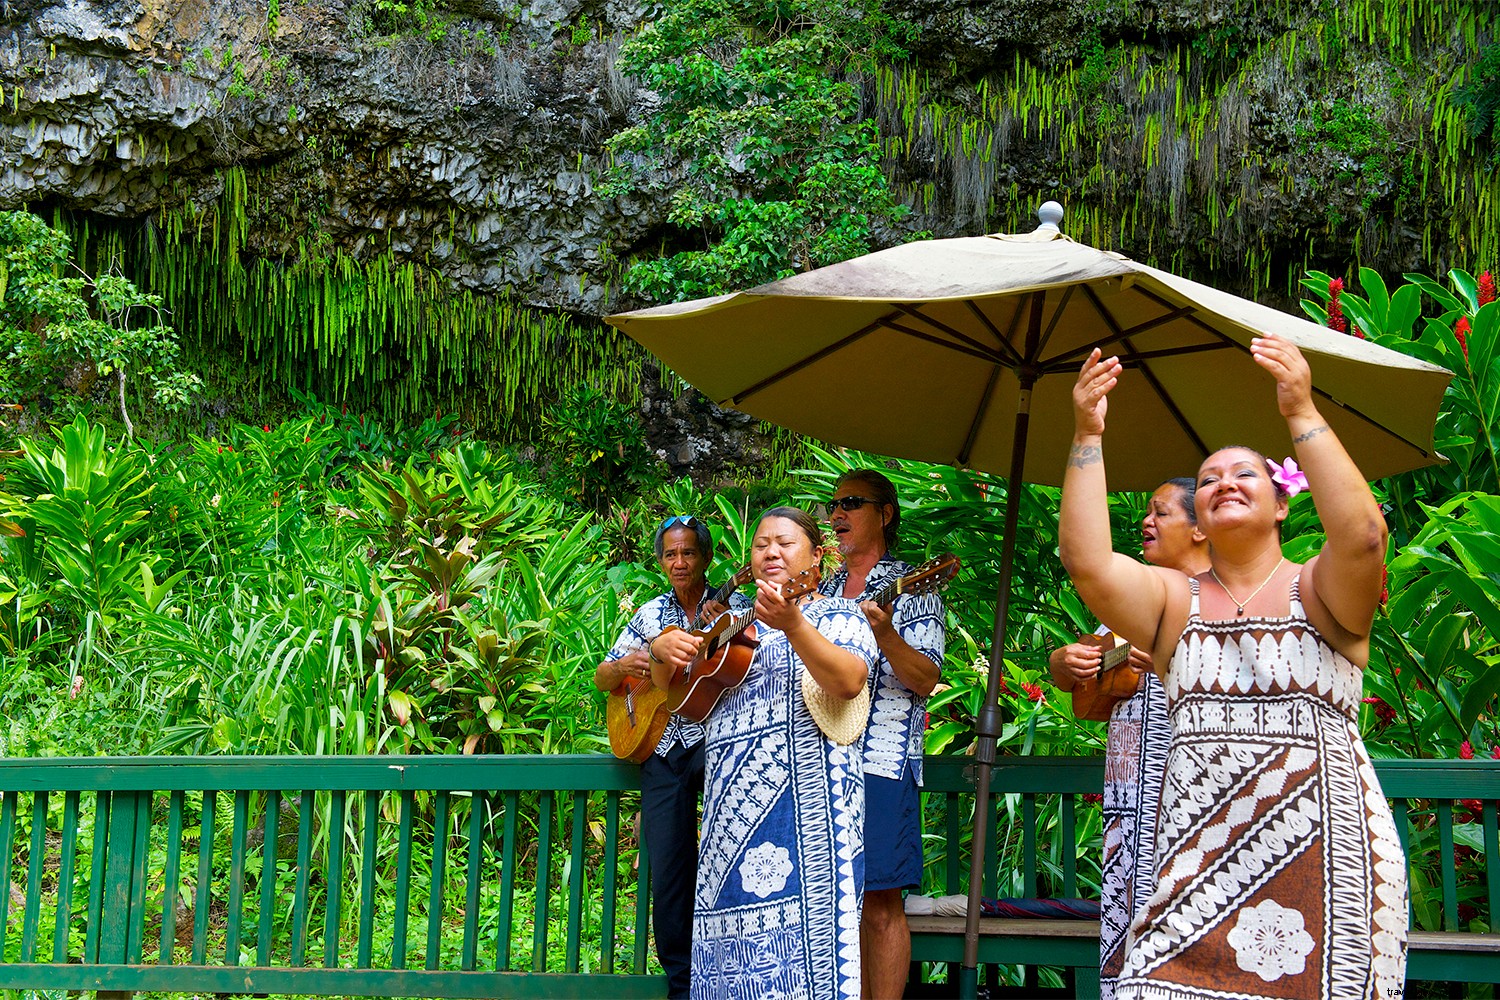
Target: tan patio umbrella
[(965, 351)]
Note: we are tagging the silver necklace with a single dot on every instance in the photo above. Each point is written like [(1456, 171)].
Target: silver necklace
[(1239, 604)]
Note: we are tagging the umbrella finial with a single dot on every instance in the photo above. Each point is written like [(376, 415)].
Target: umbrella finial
[(1051, 214)]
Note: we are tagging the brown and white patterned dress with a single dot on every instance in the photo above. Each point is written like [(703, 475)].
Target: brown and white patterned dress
[(1279, 871), (1135, 759)]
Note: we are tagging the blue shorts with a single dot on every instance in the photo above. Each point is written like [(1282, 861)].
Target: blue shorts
[(893, 833)]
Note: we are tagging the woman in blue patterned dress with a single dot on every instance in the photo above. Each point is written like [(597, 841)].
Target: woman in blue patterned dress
[(781, 857)]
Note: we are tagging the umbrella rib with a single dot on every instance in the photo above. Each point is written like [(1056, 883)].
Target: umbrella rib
[(916, 313), (1186, 312), (1151, 379), (1168, 401), (984, 406), (1003, 339), (1065, 363), (793, 369), (1057, 315), (982, 353), (1323, 393)]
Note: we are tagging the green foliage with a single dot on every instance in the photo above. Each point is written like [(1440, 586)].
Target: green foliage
[(596, 447), (1480, 99), (57, 323), (82, 509), (422, 18), (1434, 670), (1350, 130), (772, 168)]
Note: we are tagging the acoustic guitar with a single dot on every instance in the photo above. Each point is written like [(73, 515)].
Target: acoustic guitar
[(635, 713), (931, 575), (723, 661), (1095, 699)]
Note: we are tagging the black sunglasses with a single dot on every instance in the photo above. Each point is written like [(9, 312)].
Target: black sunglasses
[(847, 504)]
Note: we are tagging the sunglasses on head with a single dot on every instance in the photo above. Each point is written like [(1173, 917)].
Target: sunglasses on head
[(685, 520), (847, 504)]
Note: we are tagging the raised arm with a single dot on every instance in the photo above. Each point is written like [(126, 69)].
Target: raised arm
[(1346, 574), (1129, 595)]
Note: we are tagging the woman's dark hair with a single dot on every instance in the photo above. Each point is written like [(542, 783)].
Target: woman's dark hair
[(882, 491), (693, 524), (801, 518), (1281, 493), (1185, 498)]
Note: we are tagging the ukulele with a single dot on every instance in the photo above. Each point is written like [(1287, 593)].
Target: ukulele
[(1117, 680), (723, 661), (931, 575), (635, 713)]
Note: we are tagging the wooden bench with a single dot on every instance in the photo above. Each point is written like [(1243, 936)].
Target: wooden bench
[(1039, 809), (324, 876)]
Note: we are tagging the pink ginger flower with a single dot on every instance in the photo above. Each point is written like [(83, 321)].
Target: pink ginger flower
[(1465, 751)]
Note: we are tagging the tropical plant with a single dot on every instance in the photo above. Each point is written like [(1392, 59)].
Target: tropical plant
[(758, 126), (54, 317)]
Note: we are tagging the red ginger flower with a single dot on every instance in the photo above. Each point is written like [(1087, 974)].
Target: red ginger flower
[(1336, 319), (1033, 691), (1486, 289), (1461, 331), (1495, 753), (1465, 751)]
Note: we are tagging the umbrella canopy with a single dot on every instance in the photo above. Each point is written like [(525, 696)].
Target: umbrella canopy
[(922, 351)]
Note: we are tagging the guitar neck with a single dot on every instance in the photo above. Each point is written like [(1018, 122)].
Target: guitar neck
[(888, 592)]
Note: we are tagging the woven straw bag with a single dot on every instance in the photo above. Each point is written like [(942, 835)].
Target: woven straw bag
[(841, 720)]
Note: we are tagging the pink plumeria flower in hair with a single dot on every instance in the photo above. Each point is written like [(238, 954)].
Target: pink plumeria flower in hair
[(1288, 476)]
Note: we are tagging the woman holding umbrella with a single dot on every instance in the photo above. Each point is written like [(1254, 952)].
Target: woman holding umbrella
[(1279, 872)]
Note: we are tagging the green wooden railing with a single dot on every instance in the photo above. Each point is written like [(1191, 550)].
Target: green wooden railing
[(506, 876)]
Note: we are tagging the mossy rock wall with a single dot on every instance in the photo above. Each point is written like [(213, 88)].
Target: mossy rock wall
[(401, 208)]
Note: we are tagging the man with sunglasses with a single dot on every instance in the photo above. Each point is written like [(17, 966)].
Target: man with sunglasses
[(865, 519), (672, 777)]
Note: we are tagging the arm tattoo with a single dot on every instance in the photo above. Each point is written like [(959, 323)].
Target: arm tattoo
[(1309, 435), (1081, 455)]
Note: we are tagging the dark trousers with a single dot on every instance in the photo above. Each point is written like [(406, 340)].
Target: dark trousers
[(670, 787)]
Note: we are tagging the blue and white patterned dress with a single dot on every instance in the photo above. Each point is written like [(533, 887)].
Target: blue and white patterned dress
[(894, 743), (781, 860)]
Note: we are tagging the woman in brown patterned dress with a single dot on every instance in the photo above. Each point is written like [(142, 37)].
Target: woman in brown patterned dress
[(1279, 873)]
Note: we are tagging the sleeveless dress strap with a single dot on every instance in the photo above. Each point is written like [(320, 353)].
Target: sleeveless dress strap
[(1296, 609), (1193, 604)]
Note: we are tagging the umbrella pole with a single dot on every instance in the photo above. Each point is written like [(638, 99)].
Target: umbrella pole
[(987, 727)]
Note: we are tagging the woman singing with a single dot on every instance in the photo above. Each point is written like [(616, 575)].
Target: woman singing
[(1279, 872), (781, 857)]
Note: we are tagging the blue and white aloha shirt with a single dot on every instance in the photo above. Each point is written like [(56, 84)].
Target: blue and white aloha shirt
[(648, 623), (898, 716), (781, 863)]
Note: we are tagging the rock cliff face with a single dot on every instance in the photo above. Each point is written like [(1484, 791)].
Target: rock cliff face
[(472, 151), (468, 140)]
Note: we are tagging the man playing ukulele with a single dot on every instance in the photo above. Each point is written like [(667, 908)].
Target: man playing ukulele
[(672, 777), (864, 517)]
